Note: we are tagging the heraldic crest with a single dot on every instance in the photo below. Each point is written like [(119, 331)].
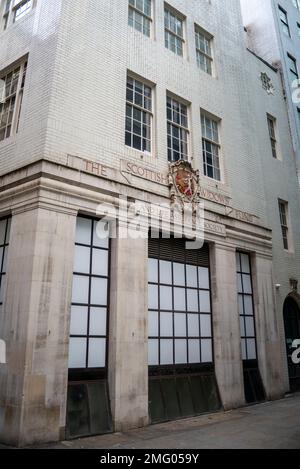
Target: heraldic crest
[(184, 182)]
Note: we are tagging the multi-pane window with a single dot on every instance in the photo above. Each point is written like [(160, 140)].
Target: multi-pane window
[(203, 50), (14, 10), (89, 310), (180, 324), (283, 212), (292, 64), (139, 15), (174, 32), (138, 115), (11, 94), (246, 308), (284, 21), (272, 134), (211, 147), (4, 240), (177, 128)]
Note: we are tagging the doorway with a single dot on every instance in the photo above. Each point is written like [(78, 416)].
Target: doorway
[(291, 312)]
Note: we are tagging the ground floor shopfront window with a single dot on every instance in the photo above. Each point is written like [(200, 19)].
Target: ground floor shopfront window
[(180, 348), (88, 410)]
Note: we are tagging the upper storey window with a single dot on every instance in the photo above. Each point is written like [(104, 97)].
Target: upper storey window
[(174, 32), (14, 10), (139, 15), (11, 94), (203, 50)]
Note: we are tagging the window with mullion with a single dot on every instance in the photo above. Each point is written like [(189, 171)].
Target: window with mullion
[(283, 213), (180, 327), (177, 130), (210, 147), (89, 309), (292, 63), (11, 93), (272, 134), (14, 10), (246, 306), (284, 21), (203, 50), (174, 32), (139, 16), (4, 243), (138, 115)]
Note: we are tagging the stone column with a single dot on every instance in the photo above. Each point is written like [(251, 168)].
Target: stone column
[(269, 345), (128, 337), (226, 326), (35, 326)]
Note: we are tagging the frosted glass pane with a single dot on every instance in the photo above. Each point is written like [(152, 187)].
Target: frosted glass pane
[(194, 351), (166, 324), (238, 263), (204, 301), (240, 304), (180, 325), (98, 291), (153, 352), (244, 354), (153, 296), (98, 321), (245, 264), (206, 351), (166, 352), (203, 273), (247, 284), (82, 260), (239, 283), (83, 231), (242, 326), (80, 291), (250, 332), (179, 299), (97, 353), (179, 274), (191, 276), (77, 352), (5, 259), (180, 351), (248, 305), (153, 270), (166, 298), (165, 272), (205, 321), (100, 262), (101, 234), (153, 324), (251, 350), (192, 300), (2, 231), (193, 325), (79, 316)]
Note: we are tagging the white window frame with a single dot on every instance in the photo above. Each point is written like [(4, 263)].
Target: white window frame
[(272, 127), (285, 224), (215, 143), (182, 129), (207, 54), (133, 7), (168, 32), (17, 94), (8, 15)]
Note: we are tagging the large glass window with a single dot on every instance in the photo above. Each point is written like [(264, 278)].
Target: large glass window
[(11, 95), (245, 304), (180, 327), (173, 32), (210, 147), (4, 242), (89, 310), (203, 50), (138, 115), (139, 15), (177, 125)]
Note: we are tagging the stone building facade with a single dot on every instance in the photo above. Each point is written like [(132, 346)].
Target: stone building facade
[(100, 100)]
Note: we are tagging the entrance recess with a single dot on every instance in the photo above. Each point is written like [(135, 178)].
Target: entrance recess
[(182, 381), (291, 311)]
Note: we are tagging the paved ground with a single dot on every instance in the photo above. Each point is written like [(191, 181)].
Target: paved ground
[(269, 425)]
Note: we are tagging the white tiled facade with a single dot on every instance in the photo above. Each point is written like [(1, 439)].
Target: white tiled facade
[(269, 38), (79, 53)]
